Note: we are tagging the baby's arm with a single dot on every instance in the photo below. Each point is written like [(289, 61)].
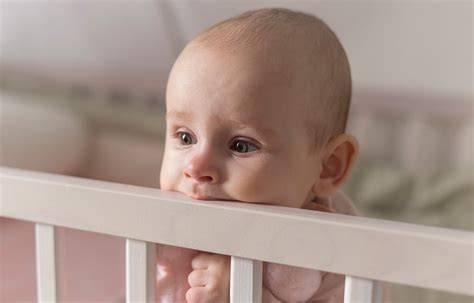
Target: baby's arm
[(289, 283)]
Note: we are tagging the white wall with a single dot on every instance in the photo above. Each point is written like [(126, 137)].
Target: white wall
[(421, 46), (96, 42)]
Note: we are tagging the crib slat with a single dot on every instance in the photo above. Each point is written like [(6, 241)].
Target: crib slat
[(140, 271), (360, 290), (245, 280), (45, 263)]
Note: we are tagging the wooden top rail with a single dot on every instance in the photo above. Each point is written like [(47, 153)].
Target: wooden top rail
[(390, 251)]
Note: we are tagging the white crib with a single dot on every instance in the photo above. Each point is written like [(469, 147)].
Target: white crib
[(363, 249), (391, 127)]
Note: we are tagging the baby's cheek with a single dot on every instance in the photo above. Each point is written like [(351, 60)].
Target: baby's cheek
[(170, 173), (270, 185), (166, 182), (254, 185)]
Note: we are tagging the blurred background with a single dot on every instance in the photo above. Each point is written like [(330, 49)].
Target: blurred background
[(82, 89)]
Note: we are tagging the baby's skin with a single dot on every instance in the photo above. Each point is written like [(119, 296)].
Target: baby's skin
[(207, 279), (237, 129)]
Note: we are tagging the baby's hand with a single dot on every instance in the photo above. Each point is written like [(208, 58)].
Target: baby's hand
[(210, 279)]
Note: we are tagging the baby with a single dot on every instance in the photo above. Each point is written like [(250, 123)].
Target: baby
[(256, 112)]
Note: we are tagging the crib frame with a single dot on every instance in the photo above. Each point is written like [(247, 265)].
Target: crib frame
[(429, 257)]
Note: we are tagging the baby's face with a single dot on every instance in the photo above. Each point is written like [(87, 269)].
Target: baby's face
[(235, 131)]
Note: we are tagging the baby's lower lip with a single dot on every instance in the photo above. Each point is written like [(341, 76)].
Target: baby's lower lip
[(199, 192), (199, 196)]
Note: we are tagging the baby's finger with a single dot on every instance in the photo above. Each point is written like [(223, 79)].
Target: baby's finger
[(198, 278), (201, 261), (197, 295)]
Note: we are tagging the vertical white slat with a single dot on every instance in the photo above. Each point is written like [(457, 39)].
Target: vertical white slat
[(140, 271), (360, 290), (45, 263), (245, 280)]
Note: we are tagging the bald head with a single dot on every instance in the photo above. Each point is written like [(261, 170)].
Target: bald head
[(301, 47)]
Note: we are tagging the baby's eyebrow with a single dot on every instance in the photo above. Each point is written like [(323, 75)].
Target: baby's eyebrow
[(185, 115), (178, 115), (263, 130)]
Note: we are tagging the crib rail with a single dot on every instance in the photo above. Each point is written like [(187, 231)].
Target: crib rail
[(369, 249)]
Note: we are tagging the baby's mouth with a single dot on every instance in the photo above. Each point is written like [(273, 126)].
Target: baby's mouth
[(202, 196), (198, 196), (199, 193), (205, 192)]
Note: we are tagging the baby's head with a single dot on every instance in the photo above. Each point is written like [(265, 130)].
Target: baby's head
[(256, 112)]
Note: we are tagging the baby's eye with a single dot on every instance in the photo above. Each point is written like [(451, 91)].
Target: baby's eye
[(242, 146), (186, 138)]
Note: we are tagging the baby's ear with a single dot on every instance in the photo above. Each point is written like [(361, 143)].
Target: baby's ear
[(338, 159)]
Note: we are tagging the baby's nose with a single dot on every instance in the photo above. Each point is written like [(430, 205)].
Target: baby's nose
[(205, 178), (201, 170)]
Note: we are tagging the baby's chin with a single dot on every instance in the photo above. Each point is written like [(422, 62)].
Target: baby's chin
[(205, 197)]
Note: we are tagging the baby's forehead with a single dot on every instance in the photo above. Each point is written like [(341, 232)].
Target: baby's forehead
[(223, 67), (249, 83)]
